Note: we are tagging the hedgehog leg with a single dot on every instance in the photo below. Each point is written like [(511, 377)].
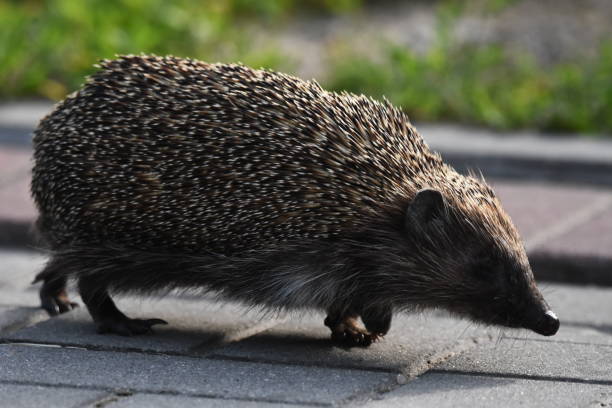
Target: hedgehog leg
[(107, 317), (53, 296), (346, 330), (377, 319)]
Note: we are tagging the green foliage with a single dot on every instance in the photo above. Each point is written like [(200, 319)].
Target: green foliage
[(484, 85), (47, 47)]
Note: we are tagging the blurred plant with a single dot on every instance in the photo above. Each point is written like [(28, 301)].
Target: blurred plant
[(47, 47), (483, 85)]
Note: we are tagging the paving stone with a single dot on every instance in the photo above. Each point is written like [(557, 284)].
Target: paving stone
[(17, 270), (24, 114), (523, 156), (186, 375), (592, 238), (580, 304), (177, 401), (15, 201), (445, 390), (535, 206), (413, 344), (15, 164), (27, 396), (547, 359), (13, 318), (17, 136), (191, 323), (584, 313), (567, 334), (476, 141)]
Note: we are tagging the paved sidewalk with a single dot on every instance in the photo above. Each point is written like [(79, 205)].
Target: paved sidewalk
[(219, 354)]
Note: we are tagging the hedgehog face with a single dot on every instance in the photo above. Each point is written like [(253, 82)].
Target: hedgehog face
[(469, 271), (502, 291)]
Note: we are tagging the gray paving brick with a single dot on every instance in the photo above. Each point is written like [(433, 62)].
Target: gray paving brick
[(13, 318), (186, 375), (27, 396), (23, 114), (190, 323), (475, 141), (584, 313), (592, 238), (580, 305), (567, 334), (17, 270), (177, 401), (15, 164), (15, 201), (547, 359), (456, 391), (535, 206), (413, 343)]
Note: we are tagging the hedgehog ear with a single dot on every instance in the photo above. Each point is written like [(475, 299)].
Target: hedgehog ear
[(426, 206)]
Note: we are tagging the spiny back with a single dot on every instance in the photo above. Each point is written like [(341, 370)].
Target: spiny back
[(176, 153)]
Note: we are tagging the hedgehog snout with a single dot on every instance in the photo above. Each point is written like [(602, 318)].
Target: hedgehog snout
[(547, 325), (541, 319)]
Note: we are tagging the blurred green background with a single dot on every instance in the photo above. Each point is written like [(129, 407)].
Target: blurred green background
[(48, 47)]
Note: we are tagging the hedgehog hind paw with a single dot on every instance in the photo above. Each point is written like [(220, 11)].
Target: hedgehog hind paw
[(56, 305), (54, 298), (125, 326)]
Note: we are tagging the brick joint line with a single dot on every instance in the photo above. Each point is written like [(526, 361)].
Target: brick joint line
[(100, 402), (237, 335), (160, 392), (425, 366), (581, 216), (550, 378), (212, 356)]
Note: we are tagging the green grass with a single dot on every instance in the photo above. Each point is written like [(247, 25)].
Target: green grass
[(47, 47), (486, 86)]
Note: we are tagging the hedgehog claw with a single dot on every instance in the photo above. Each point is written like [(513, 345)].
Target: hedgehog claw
[(353, 338), (55, 305), (348, 333)]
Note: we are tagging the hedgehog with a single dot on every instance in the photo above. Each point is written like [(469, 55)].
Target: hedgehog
[(164, 173)]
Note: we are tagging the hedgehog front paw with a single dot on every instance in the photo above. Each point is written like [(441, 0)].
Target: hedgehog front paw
[(351, 337), (349, 333), (126, 326)]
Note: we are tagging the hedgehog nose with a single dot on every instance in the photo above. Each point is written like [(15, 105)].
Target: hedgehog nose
[(548, 324)]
